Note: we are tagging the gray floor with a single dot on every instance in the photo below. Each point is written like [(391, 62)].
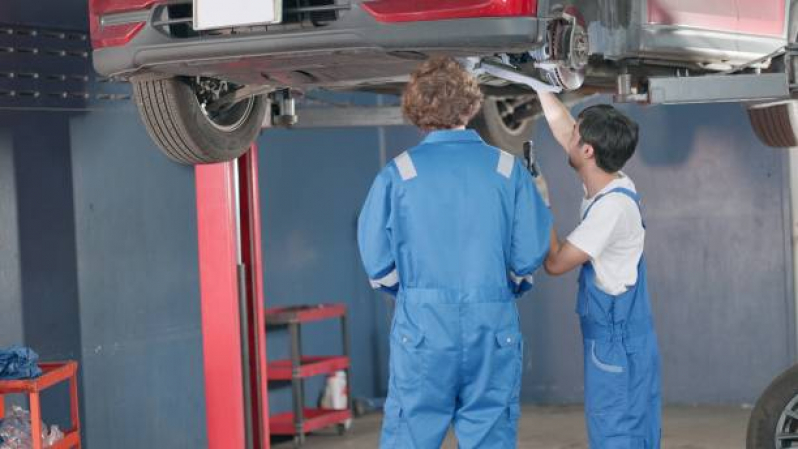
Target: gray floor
[(563, 428)]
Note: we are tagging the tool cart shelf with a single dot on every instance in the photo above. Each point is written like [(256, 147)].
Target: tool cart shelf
[(299, 367), (52, 374)]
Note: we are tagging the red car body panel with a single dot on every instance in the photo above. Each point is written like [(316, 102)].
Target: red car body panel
[(759, 17), (111, 36), (428, 10)]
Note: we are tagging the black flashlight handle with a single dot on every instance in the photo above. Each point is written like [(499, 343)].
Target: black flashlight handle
[(530, 158)]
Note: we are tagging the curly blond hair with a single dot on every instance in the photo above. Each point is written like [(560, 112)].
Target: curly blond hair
[(441, 95)]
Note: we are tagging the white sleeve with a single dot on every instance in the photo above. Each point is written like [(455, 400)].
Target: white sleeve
[(595, 232)]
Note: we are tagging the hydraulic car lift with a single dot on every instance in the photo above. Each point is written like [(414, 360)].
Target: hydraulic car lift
[(233, 327)]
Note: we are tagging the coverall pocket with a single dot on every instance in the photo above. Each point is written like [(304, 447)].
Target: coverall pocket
[(606, 376), (408, 366), (507, 361)]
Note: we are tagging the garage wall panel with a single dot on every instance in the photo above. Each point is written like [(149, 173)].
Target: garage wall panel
[(136, 234), (10, 281), (718, 254)]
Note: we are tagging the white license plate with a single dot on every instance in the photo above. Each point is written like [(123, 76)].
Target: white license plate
[(210, 14)]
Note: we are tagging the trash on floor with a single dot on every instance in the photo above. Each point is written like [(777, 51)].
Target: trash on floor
[(15, 431)]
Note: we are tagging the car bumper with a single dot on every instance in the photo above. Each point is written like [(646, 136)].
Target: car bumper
[(151, 50)]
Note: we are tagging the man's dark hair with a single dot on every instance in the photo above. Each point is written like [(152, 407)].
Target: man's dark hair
[(612, 135)]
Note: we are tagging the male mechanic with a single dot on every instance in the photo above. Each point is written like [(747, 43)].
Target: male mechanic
[(455, 229), (621, 359)]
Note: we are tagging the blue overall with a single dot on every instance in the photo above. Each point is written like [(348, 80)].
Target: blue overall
[(622, 378), (455, 228)]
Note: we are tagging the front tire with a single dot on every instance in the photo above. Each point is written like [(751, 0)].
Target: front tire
[(774, 419), (177, 121)]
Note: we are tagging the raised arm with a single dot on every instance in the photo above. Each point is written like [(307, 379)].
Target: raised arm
[(558, 116)]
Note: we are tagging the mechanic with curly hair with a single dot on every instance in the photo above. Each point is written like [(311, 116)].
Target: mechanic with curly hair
[(455, 229)]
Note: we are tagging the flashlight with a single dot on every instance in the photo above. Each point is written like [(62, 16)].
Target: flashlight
[(530, 159)]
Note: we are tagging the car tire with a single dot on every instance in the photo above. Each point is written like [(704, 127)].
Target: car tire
[(775, 123), (177, 122), (491, 123), (769, 416)]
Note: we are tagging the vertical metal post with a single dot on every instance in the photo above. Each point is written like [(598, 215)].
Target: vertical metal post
[(218, 260), (74, 409), (35, 420), (296, 380), (348, 371), (234, 335), (252, 287), (243, 307)]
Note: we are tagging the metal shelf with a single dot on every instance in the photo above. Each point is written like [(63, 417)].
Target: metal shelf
[(302, 420), (282, 370), (314, 419)]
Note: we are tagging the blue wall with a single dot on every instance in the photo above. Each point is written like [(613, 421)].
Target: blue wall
[(135, 222), (38, 245), (718, 245), (313, 183), (718, 249)]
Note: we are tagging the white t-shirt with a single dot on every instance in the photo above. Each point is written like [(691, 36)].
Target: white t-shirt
[(612, 235)]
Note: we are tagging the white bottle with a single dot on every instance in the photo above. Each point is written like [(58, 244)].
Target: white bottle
[(336, 394)]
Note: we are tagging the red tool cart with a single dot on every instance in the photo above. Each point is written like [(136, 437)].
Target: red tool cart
[(300, 367), (52, 374)]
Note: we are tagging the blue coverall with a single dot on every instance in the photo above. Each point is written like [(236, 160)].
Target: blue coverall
[(455, 228), (622, 367)]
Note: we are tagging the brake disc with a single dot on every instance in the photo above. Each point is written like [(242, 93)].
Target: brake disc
[(563, 58)]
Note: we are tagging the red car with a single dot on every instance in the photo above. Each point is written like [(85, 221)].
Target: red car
[(207, 72)]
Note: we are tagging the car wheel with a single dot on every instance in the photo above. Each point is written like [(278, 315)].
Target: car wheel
[(498, 126), (775, 123), (774, 419), (176, 114)]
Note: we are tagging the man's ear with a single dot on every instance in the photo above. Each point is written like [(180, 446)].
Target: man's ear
[(588, 152)]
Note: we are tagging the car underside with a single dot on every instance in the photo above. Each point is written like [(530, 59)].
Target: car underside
[(648, 51)]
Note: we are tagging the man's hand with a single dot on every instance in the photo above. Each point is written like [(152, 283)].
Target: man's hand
[(563, 257), (558, 116), (543, 189)]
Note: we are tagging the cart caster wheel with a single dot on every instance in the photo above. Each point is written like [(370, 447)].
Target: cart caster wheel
[(341, 429), (359, 408)]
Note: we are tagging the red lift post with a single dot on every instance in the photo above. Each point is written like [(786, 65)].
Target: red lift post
[(233, 328)]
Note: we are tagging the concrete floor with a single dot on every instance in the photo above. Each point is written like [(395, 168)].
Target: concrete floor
[(563, 428)]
